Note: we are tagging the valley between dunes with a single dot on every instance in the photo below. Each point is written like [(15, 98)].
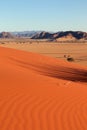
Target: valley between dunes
[(41, 93)]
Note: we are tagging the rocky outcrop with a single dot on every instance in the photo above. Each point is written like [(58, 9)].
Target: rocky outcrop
[(6, 35), (73, 35)]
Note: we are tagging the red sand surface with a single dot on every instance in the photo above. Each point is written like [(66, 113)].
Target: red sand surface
[(41, 93)]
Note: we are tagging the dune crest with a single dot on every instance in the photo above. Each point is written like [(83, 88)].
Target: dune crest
[(41, 93)]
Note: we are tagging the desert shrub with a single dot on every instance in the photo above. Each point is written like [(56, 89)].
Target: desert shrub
[(70, 59)]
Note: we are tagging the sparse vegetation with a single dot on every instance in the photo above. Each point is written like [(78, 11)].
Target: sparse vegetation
[(69, 58)]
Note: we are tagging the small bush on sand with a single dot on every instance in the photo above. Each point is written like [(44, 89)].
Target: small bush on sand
[(70, 59)]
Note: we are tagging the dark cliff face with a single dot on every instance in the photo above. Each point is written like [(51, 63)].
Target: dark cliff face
[(75, 34), (42, 35), (6, 35)]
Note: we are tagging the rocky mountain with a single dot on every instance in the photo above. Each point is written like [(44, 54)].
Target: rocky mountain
[(25, 33), (71, 35), (43, 35), (6, 35), (59, 36)]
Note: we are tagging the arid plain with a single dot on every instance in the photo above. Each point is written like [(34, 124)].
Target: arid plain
[(39, 88), (78, 51)]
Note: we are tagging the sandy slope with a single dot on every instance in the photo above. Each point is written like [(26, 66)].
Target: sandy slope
[(41, 93), (76, 50)]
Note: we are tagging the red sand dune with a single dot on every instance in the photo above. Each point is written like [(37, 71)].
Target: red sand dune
[(41, 93)]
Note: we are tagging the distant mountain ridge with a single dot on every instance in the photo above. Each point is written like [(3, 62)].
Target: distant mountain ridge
[(6, 35), (59, 36), (43, 35), (25, 33), (67, 34)]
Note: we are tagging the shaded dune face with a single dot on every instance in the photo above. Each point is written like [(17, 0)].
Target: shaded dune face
[(60, 72), (41, 93), (66, 73)]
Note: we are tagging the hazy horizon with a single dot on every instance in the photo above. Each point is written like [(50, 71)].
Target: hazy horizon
[(42, 31), (54, 15)]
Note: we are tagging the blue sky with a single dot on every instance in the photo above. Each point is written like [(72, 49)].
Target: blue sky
[(49, 15)]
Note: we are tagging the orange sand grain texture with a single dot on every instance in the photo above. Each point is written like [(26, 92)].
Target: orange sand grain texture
[(41, 93)]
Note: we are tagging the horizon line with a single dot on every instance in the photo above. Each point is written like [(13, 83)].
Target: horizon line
[(44, 31)]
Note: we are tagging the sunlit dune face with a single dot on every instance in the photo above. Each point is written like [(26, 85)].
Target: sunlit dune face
[(39, 92)]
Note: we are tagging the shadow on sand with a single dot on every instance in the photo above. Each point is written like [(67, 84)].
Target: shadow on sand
[(60, 72)]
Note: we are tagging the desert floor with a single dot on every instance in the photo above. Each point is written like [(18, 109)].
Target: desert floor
[(39, 92), (78, 51)]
